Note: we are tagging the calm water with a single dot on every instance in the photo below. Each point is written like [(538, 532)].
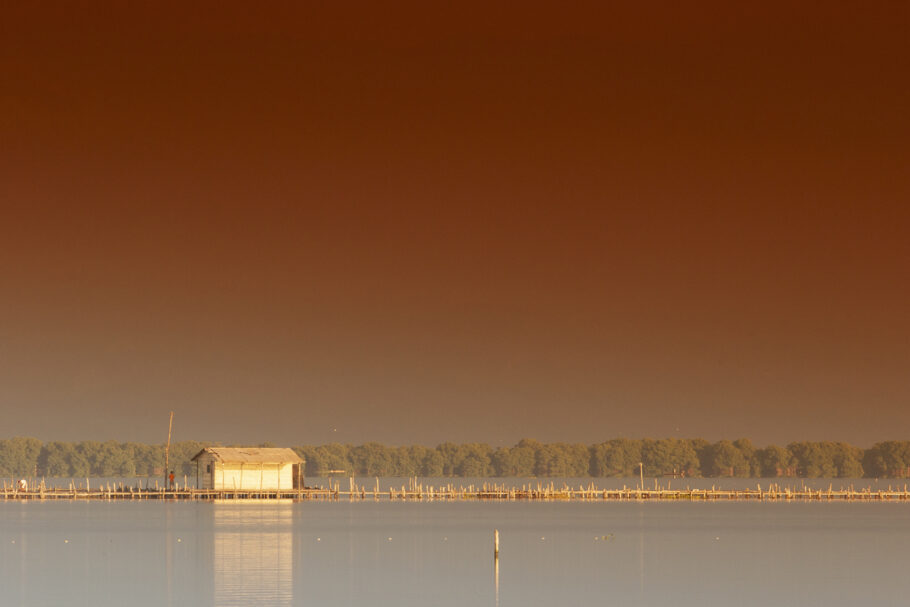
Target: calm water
[(365, 553)]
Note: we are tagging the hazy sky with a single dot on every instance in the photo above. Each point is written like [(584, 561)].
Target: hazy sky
[(417, 222)]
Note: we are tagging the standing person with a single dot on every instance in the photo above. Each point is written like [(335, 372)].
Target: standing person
[(171, 479)]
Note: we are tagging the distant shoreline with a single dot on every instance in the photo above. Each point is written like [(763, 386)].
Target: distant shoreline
[(616, 458)]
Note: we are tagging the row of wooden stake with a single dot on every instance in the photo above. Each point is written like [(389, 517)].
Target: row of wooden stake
[(489, 491)]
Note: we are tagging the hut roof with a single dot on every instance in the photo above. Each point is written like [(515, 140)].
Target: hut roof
[(259, 455)]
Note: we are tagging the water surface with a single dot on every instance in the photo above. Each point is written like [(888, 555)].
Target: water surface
[(380, 553)]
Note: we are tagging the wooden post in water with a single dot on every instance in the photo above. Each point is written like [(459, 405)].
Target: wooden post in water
[(496, 564), (167, 450)]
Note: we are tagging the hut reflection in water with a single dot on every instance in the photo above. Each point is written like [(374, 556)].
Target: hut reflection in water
[(253, 553)]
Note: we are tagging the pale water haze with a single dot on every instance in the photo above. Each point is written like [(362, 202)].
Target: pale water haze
[(402, 554)]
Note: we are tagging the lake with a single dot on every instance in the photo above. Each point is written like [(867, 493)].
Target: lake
[(440, 553)]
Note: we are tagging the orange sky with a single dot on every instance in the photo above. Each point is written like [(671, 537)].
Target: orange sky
[(414, 224)]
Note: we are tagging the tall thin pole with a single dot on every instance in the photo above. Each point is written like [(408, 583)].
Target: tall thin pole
[(167, 449), (496, 563), (641, 474)]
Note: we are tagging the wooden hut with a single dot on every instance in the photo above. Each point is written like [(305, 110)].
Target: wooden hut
[(248, 469)]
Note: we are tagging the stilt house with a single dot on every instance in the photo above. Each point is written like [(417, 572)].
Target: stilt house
[(248, 469)]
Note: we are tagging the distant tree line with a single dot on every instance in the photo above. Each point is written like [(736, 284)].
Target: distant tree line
[(21, 456), (619, 457)]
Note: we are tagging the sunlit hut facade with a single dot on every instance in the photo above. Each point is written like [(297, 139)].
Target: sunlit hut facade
[(248, 469)]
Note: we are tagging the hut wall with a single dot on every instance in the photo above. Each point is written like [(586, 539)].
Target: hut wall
[(254, 476), (207, 466)]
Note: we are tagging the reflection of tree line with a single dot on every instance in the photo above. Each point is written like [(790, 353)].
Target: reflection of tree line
[(617, 458)]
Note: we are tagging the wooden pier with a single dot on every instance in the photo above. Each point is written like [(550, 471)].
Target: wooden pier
[(415, 491)]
